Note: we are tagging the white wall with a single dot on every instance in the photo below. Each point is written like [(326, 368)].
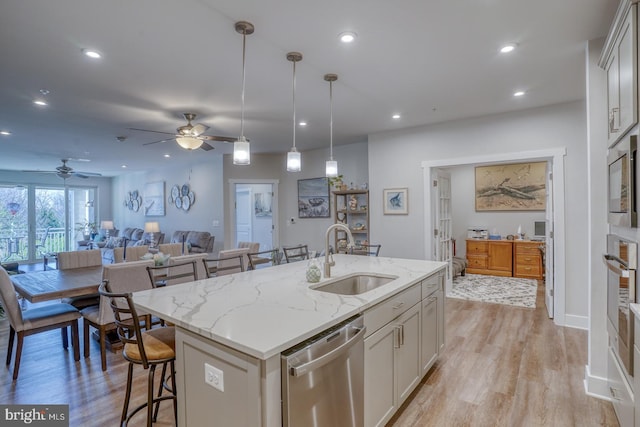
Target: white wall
[(464, 213), (204, 177), (352, 164), (550, 127)]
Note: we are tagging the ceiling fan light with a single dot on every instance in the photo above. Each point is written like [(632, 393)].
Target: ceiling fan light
[(188, 142), (331, 169), (241, 152), (294, 160)]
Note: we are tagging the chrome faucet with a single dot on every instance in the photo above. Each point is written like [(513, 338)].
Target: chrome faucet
[(328, 258)]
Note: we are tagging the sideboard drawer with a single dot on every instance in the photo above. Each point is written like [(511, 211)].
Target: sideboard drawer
[(474, 246), (532, 271), (478, 261)]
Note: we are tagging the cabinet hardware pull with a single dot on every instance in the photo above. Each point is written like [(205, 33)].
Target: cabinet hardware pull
[(397, 306), (401, 335), (612, 120), (432, 299), (613, 393), (396, 337)]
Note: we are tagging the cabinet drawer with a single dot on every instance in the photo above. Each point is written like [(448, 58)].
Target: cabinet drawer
[(527, 260), (527, 248), (528, 270), (430, 285), (619, 391), (478, 261), (386, 311), (476, 246)]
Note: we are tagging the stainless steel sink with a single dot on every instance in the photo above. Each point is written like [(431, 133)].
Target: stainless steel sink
[(354, 284)]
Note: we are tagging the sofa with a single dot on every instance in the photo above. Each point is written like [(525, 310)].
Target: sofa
[(132, 236), (196, 241)]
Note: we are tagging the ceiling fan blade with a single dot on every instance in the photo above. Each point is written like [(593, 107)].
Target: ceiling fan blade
[(218, 138), (154, 131), (86, 174), (33, 171), (206, 147), (199, 128), (156, 142), (79, 175)]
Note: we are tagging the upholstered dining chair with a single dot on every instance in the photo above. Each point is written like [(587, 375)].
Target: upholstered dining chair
[(123, 277), (296, 253), (264, 258), (34, 320), (222, 266), (197, 257), (172, 249), (149, 349), (80, 259), (130, 253)]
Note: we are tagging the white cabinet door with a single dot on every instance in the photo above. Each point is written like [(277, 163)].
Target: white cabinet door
[(408, 369), (622, 80), (379, 375), (429, 332)]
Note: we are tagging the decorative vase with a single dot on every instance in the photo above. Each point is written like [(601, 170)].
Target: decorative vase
[(313, 273)]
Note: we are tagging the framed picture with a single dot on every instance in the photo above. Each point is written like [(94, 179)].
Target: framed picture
[(262, 204), (153, 199), (396, 201), (511, 187), (313, 198)]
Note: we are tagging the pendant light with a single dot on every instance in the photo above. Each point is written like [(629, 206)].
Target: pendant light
[(294, 160), (241, 150), (331, 169)]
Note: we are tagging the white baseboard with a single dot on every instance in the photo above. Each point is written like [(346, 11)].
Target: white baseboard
[(578, 322), (595, 386)]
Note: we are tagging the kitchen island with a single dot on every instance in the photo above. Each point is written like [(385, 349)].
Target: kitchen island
[(241, 323)]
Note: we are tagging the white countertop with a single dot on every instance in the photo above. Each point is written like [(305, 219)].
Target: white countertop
[(265, 311), (636, 309)]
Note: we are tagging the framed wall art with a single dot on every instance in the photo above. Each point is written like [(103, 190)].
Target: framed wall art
[(511, 187), (313, 198), (396, 201), (154, 199)]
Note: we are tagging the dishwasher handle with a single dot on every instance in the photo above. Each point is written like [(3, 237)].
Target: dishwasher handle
[(298, 371)]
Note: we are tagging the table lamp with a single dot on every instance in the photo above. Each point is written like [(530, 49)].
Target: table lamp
[(106, 226), (152, 227)]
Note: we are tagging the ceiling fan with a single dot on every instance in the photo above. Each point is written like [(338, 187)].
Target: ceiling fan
[(190, 136), (64, 171)]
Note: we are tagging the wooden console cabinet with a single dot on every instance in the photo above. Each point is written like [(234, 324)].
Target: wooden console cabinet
[(493, 257), (517, 258)]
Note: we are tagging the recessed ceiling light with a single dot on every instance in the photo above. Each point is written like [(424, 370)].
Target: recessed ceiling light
[(347, 36), (395, 116), (508, 48), (40, 102), (167, 155), (5, 132), (123, 166), (519, 93), (302, 123), (91, 53)]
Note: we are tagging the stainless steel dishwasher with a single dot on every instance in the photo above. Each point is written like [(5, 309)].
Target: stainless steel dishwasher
[(323, 378)]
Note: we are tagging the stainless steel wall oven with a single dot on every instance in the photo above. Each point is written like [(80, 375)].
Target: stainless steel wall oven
[(622, 203), (622, 260)]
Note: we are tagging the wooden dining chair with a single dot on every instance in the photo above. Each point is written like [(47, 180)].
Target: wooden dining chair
[(149, 349), (366, 249), (296, 253), (223, 266), (34, 320), (173, 273), (123, 277), (264, 258)]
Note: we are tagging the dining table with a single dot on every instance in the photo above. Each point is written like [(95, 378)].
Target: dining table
[(47, 285)]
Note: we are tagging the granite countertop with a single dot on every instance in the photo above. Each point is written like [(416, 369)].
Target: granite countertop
[(265, 311)]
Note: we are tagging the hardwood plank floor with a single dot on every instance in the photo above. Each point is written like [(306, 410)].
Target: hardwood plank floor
[(502, 366)]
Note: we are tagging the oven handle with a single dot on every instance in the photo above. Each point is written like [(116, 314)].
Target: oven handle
[(623, 272)]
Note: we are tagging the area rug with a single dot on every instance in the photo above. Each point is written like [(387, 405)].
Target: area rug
[(498, 290)]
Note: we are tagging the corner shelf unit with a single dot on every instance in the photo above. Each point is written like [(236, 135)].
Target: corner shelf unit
[(356, 219)]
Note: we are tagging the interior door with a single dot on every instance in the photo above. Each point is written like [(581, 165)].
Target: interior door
[(442, 218), (243, 214), (548, 258)]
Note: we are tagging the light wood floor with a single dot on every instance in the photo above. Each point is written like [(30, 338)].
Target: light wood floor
[(502, 366)]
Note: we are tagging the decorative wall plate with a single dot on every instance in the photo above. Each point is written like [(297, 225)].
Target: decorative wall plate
[(186, 203), (133, 201), (178, 202), (185, 190), (175, 192)]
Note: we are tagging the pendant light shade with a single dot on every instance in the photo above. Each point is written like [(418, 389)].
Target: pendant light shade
[(294, 159), (331, 167), (189, 142), (241, 148)]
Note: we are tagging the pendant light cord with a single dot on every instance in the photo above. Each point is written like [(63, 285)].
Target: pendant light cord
[(331, 120), (294, 105), (244, 46)]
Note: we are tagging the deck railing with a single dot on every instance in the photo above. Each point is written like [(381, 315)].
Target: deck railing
[(14, 243)]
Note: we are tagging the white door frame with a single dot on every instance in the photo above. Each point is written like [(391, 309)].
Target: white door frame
[(556, 156), (274, 206)]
